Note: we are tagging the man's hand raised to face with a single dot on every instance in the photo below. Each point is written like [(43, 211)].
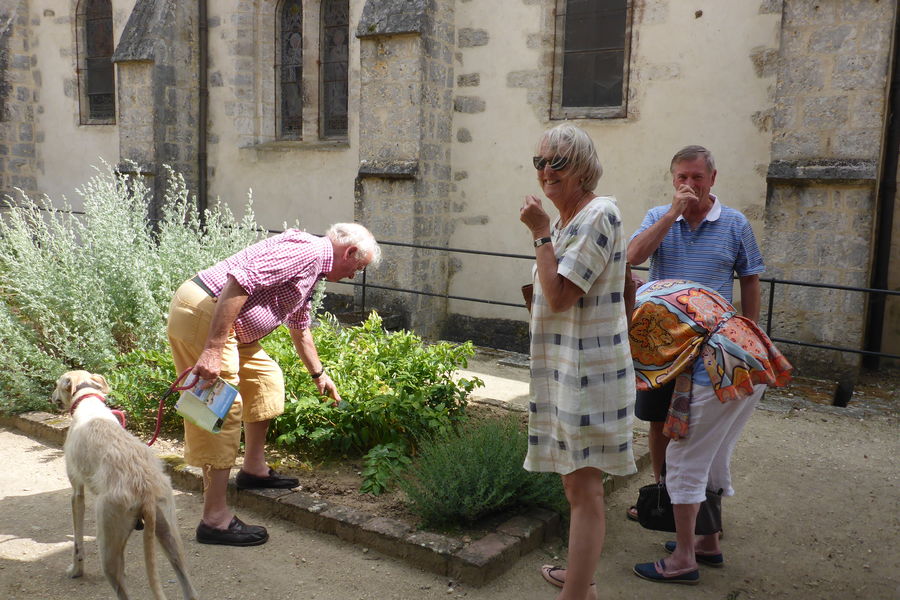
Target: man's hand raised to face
[(685, 199)]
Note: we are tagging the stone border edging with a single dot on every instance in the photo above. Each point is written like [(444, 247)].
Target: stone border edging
[(474, 563)]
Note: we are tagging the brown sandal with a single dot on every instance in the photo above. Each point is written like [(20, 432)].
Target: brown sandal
[(632, 513)]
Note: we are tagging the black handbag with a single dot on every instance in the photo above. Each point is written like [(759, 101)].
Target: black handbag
[(654, 509)]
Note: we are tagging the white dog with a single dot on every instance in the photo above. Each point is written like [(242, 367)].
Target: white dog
[(128, 479)]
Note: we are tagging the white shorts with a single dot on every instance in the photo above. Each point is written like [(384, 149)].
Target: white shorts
[(702, 459)]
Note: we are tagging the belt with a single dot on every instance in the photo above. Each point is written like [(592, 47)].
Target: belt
[(196, 279)]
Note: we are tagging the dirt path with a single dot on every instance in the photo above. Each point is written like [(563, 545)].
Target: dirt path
[(816, 516)]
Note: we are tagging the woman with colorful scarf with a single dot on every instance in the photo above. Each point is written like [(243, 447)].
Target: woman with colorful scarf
[(721, 363)]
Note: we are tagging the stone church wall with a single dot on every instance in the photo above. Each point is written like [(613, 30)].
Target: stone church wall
[(18, 93), (829, 115), (447, 99)]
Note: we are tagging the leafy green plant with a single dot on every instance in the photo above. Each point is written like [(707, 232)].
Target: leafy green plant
[(382, 463), (460, 478), (140, 380), (394, 388)]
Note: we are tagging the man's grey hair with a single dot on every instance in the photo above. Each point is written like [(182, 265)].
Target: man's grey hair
[(354, 234), (689, 153), (574, 143)]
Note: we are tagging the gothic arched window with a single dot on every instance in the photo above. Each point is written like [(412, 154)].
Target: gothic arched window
[(290, 69), (335, 60), (96, 69)]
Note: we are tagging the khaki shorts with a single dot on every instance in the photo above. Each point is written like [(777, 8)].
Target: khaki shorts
[(246, 366)]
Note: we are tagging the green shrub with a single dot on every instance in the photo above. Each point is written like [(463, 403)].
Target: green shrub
[(141, 378), (458, 479), (382, 464), (81, 291), (394, 388), (92, 292)]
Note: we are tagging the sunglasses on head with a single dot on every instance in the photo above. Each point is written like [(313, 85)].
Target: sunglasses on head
[(557, 163)]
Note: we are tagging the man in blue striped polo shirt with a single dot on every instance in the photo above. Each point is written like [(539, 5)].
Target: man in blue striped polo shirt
[(698, 239)]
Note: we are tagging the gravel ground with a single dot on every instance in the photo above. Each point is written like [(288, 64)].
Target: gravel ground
[(815, 516)]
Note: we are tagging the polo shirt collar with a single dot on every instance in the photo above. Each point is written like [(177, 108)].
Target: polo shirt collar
[(714, 213)]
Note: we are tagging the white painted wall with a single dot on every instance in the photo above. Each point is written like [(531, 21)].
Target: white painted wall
[(692, 82)]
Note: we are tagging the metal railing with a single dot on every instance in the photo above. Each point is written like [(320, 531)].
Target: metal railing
[(771, 281)]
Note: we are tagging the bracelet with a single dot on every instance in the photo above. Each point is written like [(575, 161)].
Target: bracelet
[(541, 241), (317, 375)]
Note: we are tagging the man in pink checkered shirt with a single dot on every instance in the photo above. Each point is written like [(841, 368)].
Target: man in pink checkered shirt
[(216, 320)]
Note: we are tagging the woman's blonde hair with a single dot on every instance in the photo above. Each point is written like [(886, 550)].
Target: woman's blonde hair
[(573, 143)]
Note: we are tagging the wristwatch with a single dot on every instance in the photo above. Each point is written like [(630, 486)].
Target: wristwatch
[(541, 241)]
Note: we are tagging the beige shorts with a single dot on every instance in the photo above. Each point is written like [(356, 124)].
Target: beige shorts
[(246, 366)]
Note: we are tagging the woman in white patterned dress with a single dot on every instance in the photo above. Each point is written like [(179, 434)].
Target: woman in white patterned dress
[(582, 379)]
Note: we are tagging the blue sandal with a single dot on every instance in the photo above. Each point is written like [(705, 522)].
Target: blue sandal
[(710, 560), (652, 572)]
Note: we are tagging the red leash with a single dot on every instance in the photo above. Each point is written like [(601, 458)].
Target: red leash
[(162, 401)]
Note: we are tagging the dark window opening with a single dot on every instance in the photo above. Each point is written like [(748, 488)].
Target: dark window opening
[(290, 69), (595, 50), (335, 63), (99, 69)]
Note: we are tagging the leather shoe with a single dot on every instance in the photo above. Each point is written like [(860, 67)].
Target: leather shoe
[(246, 481), (237, 534)]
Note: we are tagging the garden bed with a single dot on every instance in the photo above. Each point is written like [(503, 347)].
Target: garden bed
[(337, 481)]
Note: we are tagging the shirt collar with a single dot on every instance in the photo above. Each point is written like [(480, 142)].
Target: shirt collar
[(714, 213)]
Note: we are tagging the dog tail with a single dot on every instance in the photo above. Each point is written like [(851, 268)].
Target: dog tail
[(148, 514)]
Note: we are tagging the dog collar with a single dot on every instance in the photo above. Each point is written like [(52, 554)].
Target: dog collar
[(86, 384), (120, 415)]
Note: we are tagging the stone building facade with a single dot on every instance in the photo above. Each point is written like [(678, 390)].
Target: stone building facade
[(403, 181), (444, 102), (822, 199), (156, 62), (19, 90)]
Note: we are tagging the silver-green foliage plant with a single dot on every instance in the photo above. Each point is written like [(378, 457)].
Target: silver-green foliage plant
[(462, 476), (81, 290)]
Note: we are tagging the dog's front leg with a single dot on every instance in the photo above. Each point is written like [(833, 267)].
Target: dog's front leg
[(76, 569)]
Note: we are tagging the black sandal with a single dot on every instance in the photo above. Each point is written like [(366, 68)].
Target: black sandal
[(237, 534), (246, 481)]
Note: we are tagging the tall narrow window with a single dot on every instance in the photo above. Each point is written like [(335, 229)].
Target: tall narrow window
[(290, 69), (335, 60), (591, 71), (98, 74), (5, 35)]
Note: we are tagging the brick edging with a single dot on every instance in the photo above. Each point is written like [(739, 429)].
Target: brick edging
[(475, 563)]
